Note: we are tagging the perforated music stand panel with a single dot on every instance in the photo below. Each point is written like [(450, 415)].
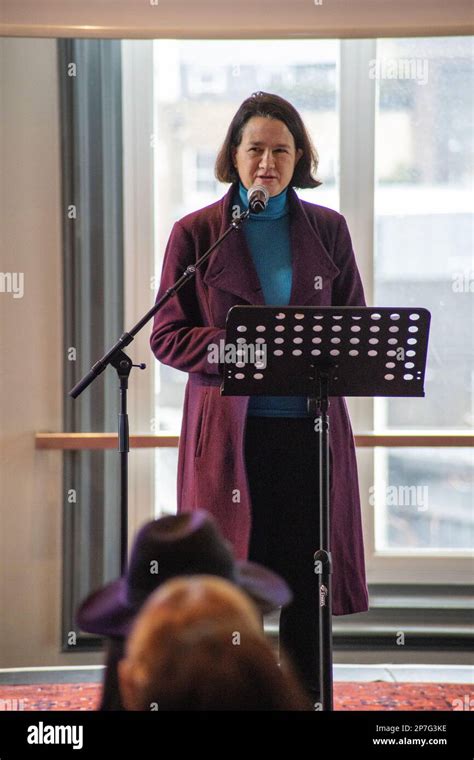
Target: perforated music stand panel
[(278, 351)]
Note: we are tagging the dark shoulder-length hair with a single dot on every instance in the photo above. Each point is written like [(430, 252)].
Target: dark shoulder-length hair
[(272, 107)]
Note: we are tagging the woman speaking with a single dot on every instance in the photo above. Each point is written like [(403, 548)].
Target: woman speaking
[(252, 461)]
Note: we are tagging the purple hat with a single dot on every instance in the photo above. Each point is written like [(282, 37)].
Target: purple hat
[(184, 544)]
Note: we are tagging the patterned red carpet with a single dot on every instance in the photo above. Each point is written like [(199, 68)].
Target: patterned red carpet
[(379, 695)]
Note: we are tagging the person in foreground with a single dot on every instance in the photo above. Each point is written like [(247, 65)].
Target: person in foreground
[(174, 545), (198, 644)]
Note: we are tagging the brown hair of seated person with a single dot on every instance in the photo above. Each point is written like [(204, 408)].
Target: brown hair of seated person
[(198, 645)]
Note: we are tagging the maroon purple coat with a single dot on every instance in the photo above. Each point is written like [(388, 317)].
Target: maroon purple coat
[(211, 461)]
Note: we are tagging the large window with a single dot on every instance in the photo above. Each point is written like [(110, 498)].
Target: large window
[(417, 501)]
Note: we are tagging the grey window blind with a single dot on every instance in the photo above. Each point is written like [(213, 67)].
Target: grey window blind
[(91, 147)]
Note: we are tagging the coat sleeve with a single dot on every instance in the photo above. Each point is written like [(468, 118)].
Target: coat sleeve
[(179, 337), (347, 287)]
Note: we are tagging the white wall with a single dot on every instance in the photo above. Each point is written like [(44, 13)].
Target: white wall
[(31, 393), (224, 18)]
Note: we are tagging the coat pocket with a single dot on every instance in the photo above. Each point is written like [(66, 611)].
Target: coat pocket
[(201, 428)]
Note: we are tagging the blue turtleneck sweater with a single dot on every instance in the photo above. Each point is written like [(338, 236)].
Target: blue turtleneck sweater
[(268, 238)]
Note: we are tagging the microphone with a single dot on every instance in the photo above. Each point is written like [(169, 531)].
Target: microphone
[(257, 197)]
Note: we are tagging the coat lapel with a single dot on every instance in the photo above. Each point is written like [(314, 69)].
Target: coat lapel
[(231, 266), (309, 256)]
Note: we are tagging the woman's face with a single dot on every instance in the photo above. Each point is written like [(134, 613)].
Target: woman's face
[(266, 154)]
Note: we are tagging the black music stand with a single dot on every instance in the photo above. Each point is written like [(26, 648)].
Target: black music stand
[(322, 352)]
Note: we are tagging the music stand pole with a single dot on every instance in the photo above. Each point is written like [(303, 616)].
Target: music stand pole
[(318, 407)]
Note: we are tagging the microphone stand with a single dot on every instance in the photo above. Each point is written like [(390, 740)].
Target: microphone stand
[(123, 366)]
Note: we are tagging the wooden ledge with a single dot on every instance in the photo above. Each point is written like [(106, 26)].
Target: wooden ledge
[(90, 441)]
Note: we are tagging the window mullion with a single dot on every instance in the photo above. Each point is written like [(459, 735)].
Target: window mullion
[(356, 181)]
